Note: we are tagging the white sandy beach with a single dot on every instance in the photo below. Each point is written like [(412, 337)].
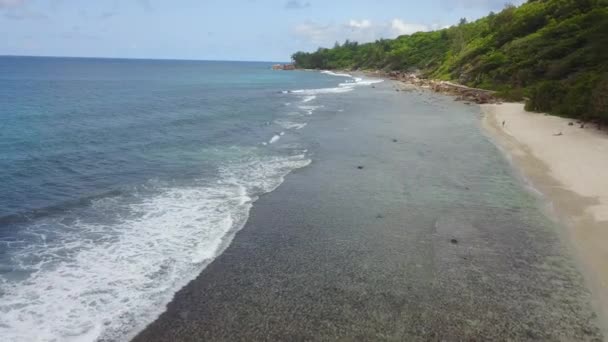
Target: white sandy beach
[(567, 164)]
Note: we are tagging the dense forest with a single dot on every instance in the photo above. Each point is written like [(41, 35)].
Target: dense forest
[(552, 53)]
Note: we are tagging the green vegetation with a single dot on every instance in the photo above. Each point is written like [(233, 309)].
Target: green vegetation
[(554, 53)]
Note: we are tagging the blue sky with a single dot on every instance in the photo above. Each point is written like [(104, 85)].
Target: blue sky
[(266, 30)]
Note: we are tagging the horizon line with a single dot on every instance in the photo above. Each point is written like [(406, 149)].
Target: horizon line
[(146, 58)]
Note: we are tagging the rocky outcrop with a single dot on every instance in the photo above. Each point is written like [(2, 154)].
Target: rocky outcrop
[(462, 93), (283, 67)]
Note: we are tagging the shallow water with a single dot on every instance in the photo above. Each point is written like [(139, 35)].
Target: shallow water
[(408, 225)]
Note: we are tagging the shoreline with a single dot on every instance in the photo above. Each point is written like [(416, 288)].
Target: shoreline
[(462, 93), (576, 199), (393, 232), (557, 159)]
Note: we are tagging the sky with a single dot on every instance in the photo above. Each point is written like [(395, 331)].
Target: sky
[(252, 30)]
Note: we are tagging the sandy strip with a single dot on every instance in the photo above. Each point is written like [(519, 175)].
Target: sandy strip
[(569, 166)]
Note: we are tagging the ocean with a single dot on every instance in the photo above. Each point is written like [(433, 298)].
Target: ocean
[(123, 179)]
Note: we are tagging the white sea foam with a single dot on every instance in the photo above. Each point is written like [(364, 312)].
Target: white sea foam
[(290, 124), (309, 98), (335, 74), (344, 87), (274, 139), (358, 81), (309, 109), (109, 286), (336, 90)]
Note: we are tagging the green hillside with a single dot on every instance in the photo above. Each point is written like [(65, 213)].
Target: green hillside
[(554, 53)]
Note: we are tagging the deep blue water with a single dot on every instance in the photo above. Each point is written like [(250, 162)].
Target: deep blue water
[(123, 179)]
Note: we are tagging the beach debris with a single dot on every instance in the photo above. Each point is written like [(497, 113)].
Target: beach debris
[(379, 216), (360, 167), (395, 140), (558, 134), (503, 123), (570, 123), (454, 241)]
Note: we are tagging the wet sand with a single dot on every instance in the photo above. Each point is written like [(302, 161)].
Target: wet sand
[(567, 164), (407, 226)]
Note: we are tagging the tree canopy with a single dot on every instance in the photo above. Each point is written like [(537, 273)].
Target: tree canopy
[(554, 53)]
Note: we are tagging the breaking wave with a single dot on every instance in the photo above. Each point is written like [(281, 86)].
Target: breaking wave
[(86, 281)]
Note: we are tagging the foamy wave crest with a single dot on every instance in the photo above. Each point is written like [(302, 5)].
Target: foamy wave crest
[(344, 87), (358, 81), (114, 278), (336, 90), (290, 124), (309, 98), (274, 139), (327, 72), (309, 109)]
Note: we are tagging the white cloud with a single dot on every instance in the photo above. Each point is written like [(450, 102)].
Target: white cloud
[(363, 24), (483, 4), (360, 30), (400, 27)]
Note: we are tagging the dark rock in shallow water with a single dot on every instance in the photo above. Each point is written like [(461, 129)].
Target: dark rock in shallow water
[(454, 241), (360, 167), (395, 140)]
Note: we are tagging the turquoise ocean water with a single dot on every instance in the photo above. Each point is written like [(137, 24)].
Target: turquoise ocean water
[(123, 179)]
